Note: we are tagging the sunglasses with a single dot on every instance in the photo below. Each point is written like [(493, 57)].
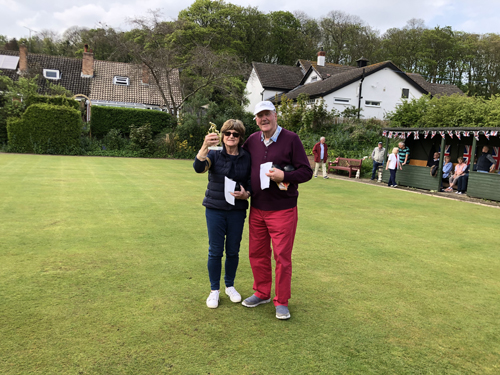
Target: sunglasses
[(235, 135)]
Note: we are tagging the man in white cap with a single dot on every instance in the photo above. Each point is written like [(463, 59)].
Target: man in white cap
[(273, 212)]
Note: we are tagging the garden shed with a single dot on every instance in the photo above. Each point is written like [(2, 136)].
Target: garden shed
[(455, 142)]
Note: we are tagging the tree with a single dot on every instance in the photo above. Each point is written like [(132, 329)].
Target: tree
[(155, 44), (403, 46), (346, 38)]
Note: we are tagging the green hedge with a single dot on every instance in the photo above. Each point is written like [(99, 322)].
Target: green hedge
[(45, 129), (54, 100), (106, 118)]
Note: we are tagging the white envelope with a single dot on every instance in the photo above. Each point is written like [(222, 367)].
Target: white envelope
[(265, 180), (229, 186)]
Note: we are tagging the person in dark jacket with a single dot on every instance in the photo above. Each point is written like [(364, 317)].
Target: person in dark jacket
[(320, 152), (225, 219), (273, 213)]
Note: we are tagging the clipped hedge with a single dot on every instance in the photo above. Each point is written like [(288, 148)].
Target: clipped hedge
[(54, 100), (45, 129), (106, 118)]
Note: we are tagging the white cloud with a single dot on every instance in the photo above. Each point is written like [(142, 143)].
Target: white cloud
[(58, 15)]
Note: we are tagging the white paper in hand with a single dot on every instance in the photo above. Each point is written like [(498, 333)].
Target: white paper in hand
[(265, 180), (229, 186)]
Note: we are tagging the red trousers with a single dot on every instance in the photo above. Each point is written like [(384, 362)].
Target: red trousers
[(278, 228)]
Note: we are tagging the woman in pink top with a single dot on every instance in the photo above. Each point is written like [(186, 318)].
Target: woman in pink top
[(459, 171)]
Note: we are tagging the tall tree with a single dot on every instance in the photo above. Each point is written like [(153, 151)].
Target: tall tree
[(155, 44), (346, 38)]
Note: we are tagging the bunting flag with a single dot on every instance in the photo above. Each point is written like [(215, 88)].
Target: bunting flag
[(496, 156), (447, 149), (450, 133), (487, 135), (441, 133), (390, 135), (467, 154), (409, 133), (476, 135), (402, 135), (457, 133), (426, 133), (415, 135), (384, 133), (466, 134), (433, 134), (494, 133)]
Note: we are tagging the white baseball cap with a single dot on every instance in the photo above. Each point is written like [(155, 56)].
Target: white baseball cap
[(264, 106)]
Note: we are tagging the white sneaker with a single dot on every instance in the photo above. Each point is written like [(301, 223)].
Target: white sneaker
[(234, 296), (213, 299)]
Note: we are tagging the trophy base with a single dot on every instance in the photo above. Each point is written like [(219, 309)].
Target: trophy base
[(215, 148)]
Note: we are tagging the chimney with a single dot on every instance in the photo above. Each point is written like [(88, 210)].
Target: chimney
[(321, 57), (87, 63), (23, 59), (145, 74), (362, 62)]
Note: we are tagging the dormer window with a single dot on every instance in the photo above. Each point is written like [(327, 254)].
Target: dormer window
[(121, 81), (52, 74)]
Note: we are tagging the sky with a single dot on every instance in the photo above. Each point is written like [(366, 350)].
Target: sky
[(479, 16)]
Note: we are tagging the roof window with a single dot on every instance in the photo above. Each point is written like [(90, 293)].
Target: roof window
[(52, 74), (122, 81)]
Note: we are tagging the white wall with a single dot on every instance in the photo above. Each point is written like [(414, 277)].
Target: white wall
[(384, 86), (255, 93)]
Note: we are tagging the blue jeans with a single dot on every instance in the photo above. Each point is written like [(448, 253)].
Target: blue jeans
[(392, 178), (376, 164), (223, 227)]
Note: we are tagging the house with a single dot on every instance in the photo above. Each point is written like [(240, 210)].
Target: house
[(375, 89), (104, 83)]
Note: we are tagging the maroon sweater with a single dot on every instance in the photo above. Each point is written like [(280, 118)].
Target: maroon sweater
[(287, 150)]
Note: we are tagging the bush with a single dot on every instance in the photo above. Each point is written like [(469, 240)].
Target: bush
[(53, 100), (106, 118), (45, 129)]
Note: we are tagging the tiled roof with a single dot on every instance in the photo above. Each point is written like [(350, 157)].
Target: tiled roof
[(281, 77), (342, 79), (102, 87), (435, 89), (69, 68), (325, 71)]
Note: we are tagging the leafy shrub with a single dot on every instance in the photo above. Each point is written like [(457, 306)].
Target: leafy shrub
[(106, 118), (114, 140), (53, 100), (47, 129)]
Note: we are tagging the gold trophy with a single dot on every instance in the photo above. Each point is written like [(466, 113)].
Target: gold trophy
[(213, 129)]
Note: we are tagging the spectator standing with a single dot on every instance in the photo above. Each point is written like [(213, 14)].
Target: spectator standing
[(404, 154), (273, 212), (392, 165), (378, 158), (320, 152), (486, 163)]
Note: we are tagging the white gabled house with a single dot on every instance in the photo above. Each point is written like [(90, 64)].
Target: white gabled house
[(375, 89)]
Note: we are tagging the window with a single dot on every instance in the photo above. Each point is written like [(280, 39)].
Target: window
[(342, 100), (311, 101), (314, 79), (122, 81), (372, 103), (405, 93), (52, 74)]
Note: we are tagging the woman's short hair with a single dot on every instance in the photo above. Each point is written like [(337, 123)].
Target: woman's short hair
[(234, 125), (395, 149), (447, 157), (460, 159)]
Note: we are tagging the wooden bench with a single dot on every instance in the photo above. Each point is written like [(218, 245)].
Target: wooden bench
[(345, 164)]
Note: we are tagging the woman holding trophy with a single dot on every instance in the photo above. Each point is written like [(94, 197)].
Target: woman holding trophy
[(226, 202)]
